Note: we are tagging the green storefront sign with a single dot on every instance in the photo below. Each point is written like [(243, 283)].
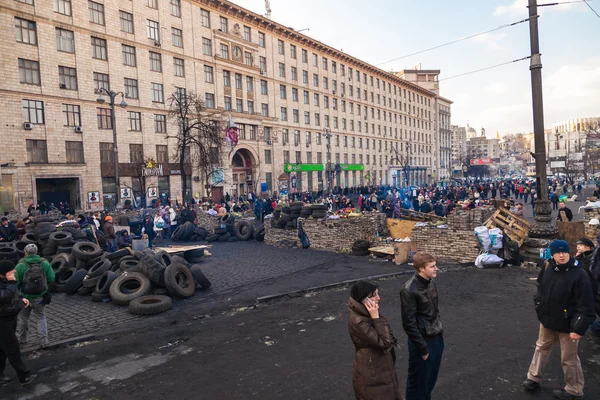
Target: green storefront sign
[(352, 167), (302, 167)]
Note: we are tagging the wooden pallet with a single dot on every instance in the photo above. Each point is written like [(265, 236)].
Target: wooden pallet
[(419, 216), (515, 227)]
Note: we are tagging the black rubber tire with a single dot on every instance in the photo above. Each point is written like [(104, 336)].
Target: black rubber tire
[(127, 264), (29, 237), (227, 219), (41, 219), (150, 305), (164, 258), (212, 238), (9, 253), (360, 253), (86, 251), (244, 230), (79, 264), (318, 215), (286, 210), (182, 261), (118, 254), (176, 236), (152, 269), (99, 297), (85, 291), (61, 238), (58, 266), (128, 287), (64, 249), (201, 280), (220, 231), (140, 254), (99, 268), (200, 231), (260, 235), (195, 253), (285, 217), (225, 237), (188, 230), (179, 281), (103, 284), (73, 283)]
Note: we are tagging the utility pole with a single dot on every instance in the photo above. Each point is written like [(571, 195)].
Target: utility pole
[(543, 226)]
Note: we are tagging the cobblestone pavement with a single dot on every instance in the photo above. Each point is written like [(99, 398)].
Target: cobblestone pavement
[(240, 272)]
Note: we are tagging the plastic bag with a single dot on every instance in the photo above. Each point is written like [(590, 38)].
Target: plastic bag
[(486, 260), (496, 238), (481, 232)]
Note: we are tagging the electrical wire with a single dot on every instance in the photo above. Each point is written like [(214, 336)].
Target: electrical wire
[(588, 4), (562, 2), (486, 68), (459, 40)]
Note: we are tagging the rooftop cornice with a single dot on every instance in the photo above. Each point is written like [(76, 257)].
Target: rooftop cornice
[(263, 23)]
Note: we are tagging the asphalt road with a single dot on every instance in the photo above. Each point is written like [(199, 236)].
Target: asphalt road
[(299, 348)]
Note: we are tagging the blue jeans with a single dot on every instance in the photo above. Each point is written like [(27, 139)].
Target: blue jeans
[(111, 245), (422, 374)]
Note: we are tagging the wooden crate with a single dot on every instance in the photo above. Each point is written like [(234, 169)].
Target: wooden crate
[(515, 227)]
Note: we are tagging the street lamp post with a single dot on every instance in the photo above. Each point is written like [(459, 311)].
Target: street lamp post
[(101, 100), (543, 226), (328, 171)]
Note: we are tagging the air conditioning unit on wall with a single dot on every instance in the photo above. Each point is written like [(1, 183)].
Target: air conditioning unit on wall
[(78, 129), (27, 126)]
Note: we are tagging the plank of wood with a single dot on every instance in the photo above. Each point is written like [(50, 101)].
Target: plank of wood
[(383, 249), (177, 249)]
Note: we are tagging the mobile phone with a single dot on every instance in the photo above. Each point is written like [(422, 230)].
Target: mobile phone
[(367, 301)]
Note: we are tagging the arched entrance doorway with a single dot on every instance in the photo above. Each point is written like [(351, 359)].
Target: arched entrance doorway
[(242, 165)]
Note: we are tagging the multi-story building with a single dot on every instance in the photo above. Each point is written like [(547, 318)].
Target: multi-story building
[(428, 79), (459, 148), (482, 147), (569, 147), (286, 91)]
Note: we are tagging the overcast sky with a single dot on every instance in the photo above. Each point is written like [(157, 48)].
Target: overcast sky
[(497, 99)]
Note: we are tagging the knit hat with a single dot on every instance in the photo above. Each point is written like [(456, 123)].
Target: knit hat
[(108, 218), (559, 246), (586, 242), (31, 249), (6, 266)]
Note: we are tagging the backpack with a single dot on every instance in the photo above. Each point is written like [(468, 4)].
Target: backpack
[(34, 280)]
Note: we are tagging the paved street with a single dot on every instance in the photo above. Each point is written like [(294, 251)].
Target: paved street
[(240, 272), (299, 349)]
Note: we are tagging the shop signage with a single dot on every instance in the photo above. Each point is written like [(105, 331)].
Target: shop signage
[(302, 167), (352, 167), (482, 161), (175, 171), (152, 192), (158, 171)]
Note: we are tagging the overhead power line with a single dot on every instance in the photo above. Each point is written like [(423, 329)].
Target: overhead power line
[(561, 3), (459, 40), (486, 68), (594, 11)]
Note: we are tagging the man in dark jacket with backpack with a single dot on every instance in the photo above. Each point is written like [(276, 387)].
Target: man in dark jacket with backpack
[(34, 275), (11, 304), (564, 304)]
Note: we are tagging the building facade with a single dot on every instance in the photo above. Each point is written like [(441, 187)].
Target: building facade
[(459, 148), (295, 100), (572, 146)]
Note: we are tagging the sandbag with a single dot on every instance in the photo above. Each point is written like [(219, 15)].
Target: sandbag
[(483, 236), (486, 260)]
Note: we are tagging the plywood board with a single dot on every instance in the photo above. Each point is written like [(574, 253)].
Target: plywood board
[(400, 228), (177, 249)]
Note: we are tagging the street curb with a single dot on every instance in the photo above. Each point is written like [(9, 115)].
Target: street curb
[(297, 293), (60, 343)]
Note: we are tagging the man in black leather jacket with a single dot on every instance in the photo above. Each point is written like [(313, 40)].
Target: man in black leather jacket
[(11, 304), (423, 326), (564, 304)]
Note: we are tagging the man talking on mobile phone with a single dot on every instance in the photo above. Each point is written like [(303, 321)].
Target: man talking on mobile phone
[(423, 326)]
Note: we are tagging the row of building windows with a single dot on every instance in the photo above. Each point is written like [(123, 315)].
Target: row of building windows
[(26, 33)]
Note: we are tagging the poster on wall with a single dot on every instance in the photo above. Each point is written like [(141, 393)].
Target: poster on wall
[(93, 197), (152, 192), (125, 193)]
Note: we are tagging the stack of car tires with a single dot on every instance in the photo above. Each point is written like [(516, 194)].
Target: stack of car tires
[(318, 211), (360, 248)]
